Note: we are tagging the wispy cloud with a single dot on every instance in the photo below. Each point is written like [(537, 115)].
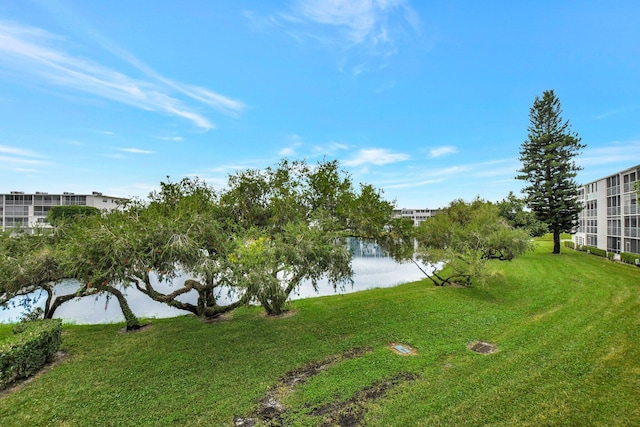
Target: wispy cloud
[(329, 149), (297, 146), (294, 142), (358, 21), (17, 151), (171, 138), (136, 151), (442, 151), (423, 177), (9, 161), (370, 26), (607, 114), (37, 53), (287, 151), (376, 156), (614, 152), (20, 160), (414, 183)]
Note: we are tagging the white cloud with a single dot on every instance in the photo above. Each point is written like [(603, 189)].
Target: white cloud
[(329, 149), (32, 52), (376, 156), (441, 151), (17, 158), (414, 184), (287, 152), (136, 151), (295, 141), (422, 177), (362, 20), (171, 138), (8, 161), (367, 24), (614, 152), (607, 114), (16, 151)]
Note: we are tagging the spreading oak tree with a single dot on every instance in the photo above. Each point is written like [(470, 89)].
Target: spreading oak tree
[(294, 219), (463, 237), (39, 261)]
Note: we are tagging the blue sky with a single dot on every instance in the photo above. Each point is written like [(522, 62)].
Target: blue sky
[(427, 100)]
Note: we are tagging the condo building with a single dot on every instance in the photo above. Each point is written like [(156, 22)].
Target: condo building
[(416, 215), (610, 219), (26, 211)]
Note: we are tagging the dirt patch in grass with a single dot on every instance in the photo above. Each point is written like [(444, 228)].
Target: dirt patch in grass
[(288, 313), (271, 409), (58, 358), (133, 331), (351, 412), (217, 319), (346, 413)]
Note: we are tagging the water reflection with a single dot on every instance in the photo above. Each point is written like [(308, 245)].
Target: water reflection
[(371, 270)]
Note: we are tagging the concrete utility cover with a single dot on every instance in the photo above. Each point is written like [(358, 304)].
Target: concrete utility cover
[(402, 349), (483, 347)]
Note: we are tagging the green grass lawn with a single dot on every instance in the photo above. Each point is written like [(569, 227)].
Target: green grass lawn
[(5, 331), (567, 328)]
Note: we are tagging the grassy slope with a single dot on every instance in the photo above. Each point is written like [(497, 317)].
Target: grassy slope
[(567, 328)]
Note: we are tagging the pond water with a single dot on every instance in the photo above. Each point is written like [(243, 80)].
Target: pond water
[(371, 270)]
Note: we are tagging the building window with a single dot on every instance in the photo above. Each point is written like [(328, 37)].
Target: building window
[(41, 210), (613, 206), (17, 210), (631, 228)]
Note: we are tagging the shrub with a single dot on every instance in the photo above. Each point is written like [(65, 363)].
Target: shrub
[(569, 244), (629, 258), (32, 345), (595, 251)]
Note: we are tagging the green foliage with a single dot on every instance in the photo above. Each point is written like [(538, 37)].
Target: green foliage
[(268, 231), (292, 220), (463, 237), (29, 262), (548, 167), (594, 251), (40, 260), (629, 258), (60, 214), (34, 344), (513, 210)]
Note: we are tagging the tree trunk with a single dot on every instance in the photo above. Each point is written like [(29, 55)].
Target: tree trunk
[(57, 302), (556, 241), (132, 321)]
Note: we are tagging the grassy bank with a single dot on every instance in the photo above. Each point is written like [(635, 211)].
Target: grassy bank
[(566, 326)]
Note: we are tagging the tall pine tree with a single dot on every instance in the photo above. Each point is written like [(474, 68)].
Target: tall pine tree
[(548, 166)]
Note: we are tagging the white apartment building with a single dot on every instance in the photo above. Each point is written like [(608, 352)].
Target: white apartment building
[(610, 219), (417, 215), (27, 211)]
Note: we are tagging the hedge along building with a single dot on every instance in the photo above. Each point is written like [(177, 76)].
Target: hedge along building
[(610, 219), (26, 211)]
